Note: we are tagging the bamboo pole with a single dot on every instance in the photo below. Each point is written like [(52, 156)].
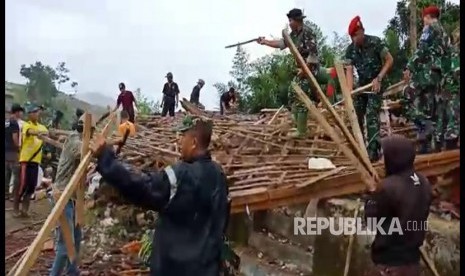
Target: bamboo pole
[(34, 250), (350, 111), (84, 149), (351, 242)]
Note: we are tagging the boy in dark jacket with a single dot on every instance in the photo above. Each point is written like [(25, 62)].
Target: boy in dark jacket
[(191, 197), (405, 195)]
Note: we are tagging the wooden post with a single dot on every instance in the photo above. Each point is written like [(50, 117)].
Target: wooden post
[(31, 255), (81, 188), (351, 242)]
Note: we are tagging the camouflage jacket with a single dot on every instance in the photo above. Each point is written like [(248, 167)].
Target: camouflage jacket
[(305, 42), (432, 56), (69, 160), (368, 59)]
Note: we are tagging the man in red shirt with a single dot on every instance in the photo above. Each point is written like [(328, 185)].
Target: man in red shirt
[(127, 100)]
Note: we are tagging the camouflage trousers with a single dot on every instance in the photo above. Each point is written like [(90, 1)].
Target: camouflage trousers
[(448, 118), (294, 102), (368, 107), (419, 104)]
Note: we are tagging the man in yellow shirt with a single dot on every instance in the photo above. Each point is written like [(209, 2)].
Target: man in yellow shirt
[(126, 125), (30, 158)]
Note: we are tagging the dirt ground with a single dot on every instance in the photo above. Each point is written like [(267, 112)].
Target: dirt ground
[(20, 232)]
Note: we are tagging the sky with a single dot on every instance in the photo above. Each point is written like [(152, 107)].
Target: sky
[(105, 42)]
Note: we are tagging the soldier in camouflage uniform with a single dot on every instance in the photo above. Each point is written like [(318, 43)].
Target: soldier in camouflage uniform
[(448, 106), (425, 71), (305, 41), (370, 56)]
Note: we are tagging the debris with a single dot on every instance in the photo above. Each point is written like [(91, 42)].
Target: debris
[(320, 164)]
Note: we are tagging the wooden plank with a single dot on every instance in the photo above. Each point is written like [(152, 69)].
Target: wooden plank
[(350, 111), (32, 254), (339, 185), (81, 188)]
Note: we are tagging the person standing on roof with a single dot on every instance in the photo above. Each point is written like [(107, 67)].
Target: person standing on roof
[(370, 56), (448, 123), (170, 96), (425, 73), (190, 196), (227, 99), (305, 41), (12, 146), (404, 195), (30, 158), (195, 95), (127, 100)]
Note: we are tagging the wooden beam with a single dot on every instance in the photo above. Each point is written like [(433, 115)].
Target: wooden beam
[(353, 119), (81, 188), (33, 252)]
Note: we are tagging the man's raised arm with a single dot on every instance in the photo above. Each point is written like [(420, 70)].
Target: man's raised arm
[(150, 190), (276, 43)]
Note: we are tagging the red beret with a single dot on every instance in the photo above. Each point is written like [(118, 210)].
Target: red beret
[(431, 10), (355, 25)]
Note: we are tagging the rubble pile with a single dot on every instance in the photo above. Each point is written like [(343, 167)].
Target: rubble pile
[(253, 152)]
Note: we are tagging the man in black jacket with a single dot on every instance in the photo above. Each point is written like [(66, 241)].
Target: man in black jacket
[(191, 197), (405, 195)]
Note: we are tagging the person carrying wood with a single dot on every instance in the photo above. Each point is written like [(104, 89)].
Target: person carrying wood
[(195, 95), (406, 195), (227, 99), (424, 74), (370, 56), (67, 164), (170, 96), (127, 100), (305, 41), (30, 158), (191, 197)]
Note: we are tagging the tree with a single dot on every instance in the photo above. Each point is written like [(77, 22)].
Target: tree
[(146, 106), (62, 73), (74, 85), (40, 85), (240, 69)]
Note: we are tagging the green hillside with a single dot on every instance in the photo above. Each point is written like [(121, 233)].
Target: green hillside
[(63, 102)]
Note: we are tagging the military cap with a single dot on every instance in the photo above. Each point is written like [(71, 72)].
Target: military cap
[(431, 10), (31, 107), (189, 122), (295, 14)]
